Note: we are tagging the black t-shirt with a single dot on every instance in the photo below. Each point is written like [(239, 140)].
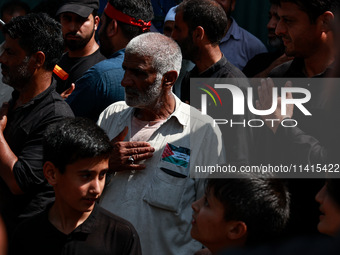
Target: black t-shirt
[(100, 234), (301, 146), (260, 62), (24, 135), (75, 67)]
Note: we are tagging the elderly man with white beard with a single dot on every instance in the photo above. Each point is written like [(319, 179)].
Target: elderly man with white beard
[(158, 141)]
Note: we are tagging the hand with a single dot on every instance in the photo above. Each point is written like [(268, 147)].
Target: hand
[(3, 116), (68, 92), (280, 60), (123, 150), (265, 91)]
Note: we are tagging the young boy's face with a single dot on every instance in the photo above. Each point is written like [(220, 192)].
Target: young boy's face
[(208, 224), (81, 185)]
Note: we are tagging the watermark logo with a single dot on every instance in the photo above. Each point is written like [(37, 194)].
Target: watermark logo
[(233, 101), (239, 99), (204, 97)]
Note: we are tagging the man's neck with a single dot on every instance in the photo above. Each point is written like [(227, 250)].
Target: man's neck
[(65, 219), (89, 49), (37, 85), (161, 111), (208, 56), (322, 58)]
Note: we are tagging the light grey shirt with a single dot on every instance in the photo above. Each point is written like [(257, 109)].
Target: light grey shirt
[(157, 200)]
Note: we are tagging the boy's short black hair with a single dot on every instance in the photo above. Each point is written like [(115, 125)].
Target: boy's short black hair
[(73, 139), (261, 203)]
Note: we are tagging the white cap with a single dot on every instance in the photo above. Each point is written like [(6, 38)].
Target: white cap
[(171, 14)]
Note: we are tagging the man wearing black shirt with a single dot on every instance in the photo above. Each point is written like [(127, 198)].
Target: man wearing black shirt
[(198, 33), (33, 46), (305, 28), (79, 21)]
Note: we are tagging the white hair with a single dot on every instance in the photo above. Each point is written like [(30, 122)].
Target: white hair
[(165, 52)]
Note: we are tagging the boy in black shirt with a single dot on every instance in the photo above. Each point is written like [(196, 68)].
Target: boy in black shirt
[(76, 153)]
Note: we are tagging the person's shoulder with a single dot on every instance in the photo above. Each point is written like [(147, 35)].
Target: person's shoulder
[(197, 119), (31, 224), (251, 40), (109, 115), (106, 65), (234, 72), (120, 224), (60, 107), (116, 107), (281, 70)]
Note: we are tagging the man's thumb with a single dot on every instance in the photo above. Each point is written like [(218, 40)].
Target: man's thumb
[(121, 136)]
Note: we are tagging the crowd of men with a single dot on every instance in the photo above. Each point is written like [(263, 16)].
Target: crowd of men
[(101, 138)]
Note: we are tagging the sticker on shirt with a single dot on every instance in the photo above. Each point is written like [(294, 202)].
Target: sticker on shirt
[(177, 155)]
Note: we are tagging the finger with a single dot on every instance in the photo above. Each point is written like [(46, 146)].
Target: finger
[(121, 136), (260, 92), (140, 150), (68, 91), (258, 105), (133, 167), (270, 86), (289, 95), (142, 156), (137, 145)]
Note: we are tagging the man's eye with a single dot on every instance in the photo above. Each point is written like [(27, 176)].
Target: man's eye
[(86, 176), (102, 175)]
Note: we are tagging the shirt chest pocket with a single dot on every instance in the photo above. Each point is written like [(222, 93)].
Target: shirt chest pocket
[(167, 187)]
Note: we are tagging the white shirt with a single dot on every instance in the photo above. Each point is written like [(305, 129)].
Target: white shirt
[(157, 200)]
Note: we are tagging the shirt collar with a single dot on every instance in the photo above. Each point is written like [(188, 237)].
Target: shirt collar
[(42, 95), (297, 66), (117, 53), (85, 228), (182, 115), (233, 31), (88, 225), (179, 113), (211, 70)]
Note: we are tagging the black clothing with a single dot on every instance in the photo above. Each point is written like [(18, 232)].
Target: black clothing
[(260, 62), (238, 140), (302, 145), (294, 68), (75, 67), (102, 233), (24, 134)]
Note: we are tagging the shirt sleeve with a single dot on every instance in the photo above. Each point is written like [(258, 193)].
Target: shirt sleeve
[(28, 169)]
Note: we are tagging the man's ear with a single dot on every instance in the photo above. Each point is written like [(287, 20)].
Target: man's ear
[(198, 34), (169, 78), (325, 21), (50, 173), (96, 22), (39, 59), (112, 28), (237, 230)]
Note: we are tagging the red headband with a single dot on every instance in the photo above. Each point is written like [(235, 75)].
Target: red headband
[(113, 13)]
